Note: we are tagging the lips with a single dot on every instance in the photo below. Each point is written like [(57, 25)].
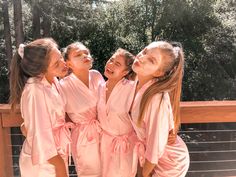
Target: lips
[(109, 71), (136, 63), (87, 60), (65, 69)]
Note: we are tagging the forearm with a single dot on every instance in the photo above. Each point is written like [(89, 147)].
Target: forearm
[(147, 168), (59, 164)]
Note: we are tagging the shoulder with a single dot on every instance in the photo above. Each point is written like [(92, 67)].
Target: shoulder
[(160, 98), (96, 75), (33, 90), (127, 84), (63, 82)]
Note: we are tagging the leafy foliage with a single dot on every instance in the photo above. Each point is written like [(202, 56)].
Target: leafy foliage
[(206, 28)]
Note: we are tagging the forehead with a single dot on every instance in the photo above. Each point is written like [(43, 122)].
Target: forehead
[(153, 50), (79, 48), (119, 58), (55, 53)]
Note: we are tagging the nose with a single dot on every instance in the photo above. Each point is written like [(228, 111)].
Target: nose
[(139, 58), (62, 62), (139, 55)]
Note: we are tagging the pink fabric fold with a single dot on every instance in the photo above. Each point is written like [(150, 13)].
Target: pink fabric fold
[(138, 155)]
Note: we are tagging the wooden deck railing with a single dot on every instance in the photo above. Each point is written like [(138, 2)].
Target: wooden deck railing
[(191, 112)]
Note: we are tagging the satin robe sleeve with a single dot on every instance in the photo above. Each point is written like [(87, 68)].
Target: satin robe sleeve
[(158, 121), (40, 134)]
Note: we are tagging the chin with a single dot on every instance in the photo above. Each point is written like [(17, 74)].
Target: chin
[(106, 75), (135, 69)]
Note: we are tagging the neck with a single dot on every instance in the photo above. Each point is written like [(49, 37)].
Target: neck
[(82, 75), (111, 83), (142, 80), (49, 79)]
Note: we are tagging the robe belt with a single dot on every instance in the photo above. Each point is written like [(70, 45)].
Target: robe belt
[(92, 129), (138, 155), (120, 144), (63, 139)]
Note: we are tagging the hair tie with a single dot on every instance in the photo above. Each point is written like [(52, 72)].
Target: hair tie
[(176, 51), (21, 50)]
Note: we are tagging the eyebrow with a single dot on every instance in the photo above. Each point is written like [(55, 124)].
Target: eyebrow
[(118, 63)]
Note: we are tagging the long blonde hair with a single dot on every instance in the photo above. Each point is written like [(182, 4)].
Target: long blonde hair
[(171, 81)]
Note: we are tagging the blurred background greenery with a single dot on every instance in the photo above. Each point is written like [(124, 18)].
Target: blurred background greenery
[(206, 29)]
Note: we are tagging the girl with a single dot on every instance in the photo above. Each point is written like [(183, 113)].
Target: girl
[(80, 90), (118, 137), (155, 109), (32, 83)]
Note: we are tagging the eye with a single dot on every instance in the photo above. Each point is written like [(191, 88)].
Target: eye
[(56, 64), (144, 52), (78, 55), (151, 60), (111, 60), (117, 64)]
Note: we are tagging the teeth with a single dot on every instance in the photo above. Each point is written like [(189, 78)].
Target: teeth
[(109, 70)]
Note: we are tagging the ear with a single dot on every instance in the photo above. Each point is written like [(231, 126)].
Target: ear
[(158, 73), (125, 72)]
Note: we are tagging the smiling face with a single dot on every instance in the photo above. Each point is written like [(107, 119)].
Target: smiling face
[(115, 67), (79, 58), (148, 62)]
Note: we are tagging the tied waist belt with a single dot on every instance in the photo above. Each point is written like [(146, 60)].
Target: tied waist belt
[(138, 155), (63, 139), (87, 131), (120, 145)]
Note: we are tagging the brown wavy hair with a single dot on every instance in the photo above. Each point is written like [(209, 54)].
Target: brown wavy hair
[(35, 62), (170, 81)]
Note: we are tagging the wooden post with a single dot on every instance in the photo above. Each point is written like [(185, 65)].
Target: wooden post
[(2, 151), (6, 162)]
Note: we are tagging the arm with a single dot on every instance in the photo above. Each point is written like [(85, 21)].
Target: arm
[(172, 137), (147, 168), (40, 130), (59, 164), (158, 123)]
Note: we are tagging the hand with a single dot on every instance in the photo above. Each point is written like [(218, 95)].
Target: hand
[(172, 137)]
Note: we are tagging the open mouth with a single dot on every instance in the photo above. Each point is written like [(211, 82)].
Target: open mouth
[(109, 71)]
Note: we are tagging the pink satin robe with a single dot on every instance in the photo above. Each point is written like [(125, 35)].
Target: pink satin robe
[(42, 109), (118, 137), (171, 160), (81, 106)]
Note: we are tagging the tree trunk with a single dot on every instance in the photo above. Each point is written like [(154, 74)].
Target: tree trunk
[(7, 32), (46, 24), (36, 19), (19, 34)]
